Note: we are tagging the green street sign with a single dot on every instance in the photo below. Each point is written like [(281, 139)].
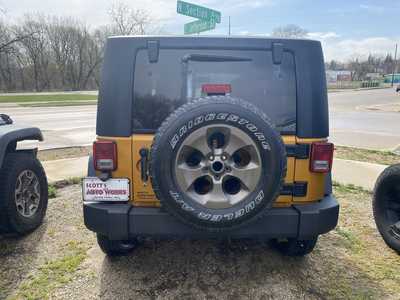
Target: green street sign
[(199, 26), (198, 12)]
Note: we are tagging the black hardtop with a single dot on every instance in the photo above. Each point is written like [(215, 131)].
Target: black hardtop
[(114, 117)]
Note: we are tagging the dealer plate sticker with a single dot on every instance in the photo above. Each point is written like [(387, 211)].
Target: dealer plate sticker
[(111, 190)]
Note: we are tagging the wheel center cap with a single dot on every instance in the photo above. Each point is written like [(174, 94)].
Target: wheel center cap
[(217, 167)]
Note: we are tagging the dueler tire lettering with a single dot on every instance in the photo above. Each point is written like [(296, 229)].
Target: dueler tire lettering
[(210, 111)]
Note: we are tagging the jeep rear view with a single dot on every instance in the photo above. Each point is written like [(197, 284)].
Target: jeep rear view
[(211, 137)]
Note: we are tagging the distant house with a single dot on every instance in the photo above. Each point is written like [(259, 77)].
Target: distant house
[(388, 78), (333, 76)]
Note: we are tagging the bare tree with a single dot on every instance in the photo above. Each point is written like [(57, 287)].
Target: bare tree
[(289, 31), (41, 53), (128, 21), (37, 49)]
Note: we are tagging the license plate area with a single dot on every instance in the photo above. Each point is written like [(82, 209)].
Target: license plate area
[(112, 190)]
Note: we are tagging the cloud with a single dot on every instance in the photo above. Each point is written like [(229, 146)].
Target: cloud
[(372, 8), (345, 49), (337, 48), (323, 35)]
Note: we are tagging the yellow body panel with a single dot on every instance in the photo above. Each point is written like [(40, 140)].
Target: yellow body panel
[(124, 157), (143, 194), (315, 181)]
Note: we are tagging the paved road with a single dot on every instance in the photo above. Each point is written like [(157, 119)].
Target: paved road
[(352, 123), (61, 126)]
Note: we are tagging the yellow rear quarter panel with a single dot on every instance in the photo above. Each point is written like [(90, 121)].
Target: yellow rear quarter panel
[(142, 193)]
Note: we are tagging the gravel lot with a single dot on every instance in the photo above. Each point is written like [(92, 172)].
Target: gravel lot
[(61, 260)]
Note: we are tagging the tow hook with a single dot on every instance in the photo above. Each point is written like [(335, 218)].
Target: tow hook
[(144, 165)]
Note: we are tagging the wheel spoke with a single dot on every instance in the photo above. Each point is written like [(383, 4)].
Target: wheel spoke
[(199, 142), (18, 186), (187, 175), (226, 177), (216, 198), (248, 175), (27, 193), (236, 142)]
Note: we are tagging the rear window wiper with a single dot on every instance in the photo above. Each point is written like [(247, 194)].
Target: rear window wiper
[(212, 58)]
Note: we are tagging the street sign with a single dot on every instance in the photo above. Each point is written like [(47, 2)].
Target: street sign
[(199, 26), (198, 12)]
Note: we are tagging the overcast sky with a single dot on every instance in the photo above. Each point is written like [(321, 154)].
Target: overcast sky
[(346, 28)]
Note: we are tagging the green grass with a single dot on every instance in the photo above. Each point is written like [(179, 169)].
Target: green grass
[(53, 187), (372, 156), (61, 103), (52, 190), (351, 241), (349, 188), (53, 274), (45, 98)]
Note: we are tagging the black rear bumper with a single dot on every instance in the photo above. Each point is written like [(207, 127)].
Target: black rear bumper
[(123, 221)]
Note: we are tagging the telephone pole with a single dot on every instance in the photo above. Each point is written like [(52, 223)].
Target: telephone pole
[(229, 31), (394, 64)]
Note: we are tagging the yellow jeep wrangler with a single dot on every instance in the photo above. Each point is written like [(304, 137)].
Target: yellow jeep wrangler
[(211, 137)]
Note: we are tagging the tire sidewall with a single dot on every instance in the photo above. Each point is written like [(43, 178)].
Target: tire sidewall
[(390, 176), (269, 145)]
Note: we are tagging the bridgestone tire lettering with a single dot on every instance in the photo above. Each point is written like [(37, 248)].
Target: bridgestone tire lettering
[(211, 111)]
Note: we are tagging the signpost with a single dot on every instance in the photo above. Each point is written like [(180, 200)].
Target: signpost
[(207, 18)]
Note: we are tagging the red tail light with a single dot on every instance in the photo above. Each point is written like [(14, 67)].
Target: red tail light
[(321, 157), (105, 155)]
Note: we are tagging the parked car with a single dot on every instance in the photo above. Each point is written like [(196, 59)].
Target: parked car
[(23, 182), (398, 88), (386, 206), (201, 137)]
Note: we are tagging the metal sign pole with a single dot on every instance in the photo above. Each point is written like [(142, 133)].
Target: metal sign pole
[(394, 65)]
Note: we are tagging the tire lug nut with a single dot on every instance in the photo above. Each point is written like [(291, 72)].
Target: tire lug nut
[(211, 158), (223, 157)]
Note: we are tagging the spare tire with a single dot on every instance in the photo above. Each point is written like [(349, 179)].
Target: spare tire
[(217, 163)]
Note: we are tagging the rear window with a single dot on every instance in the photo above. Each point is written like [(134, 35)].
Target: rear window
[(182, 75)]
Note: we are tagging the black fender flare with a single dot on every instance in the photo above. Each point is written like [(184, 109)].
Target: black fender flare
[(10, 134)]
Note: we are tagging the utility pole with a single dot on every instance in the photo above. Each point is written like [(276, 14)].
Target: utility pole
[(229, 31), (394, 65)]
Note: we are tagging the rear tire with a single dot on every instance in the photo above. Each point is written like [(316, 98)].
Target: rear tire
[(116, 248), (23, 213), (295, 247), (386, 206)]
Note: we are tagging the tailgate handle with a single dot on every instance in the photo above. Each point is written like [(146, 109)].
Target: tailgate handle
[(144, 162)]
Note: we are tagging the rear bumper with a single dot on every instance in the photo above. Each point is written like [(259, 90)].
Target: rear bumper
[(123, 221)]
